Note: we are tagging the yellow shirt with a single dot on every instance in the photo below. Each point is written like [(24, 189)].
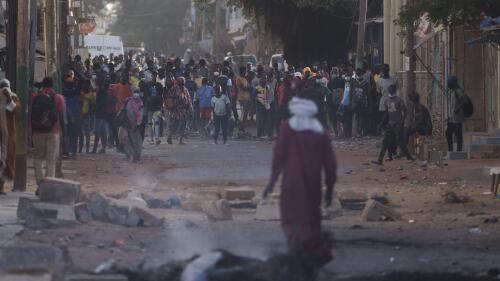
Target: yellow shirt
[(243, 94)]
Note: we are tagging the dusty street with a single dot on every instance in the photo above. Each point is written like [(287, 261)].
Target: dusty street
[(432, 236)]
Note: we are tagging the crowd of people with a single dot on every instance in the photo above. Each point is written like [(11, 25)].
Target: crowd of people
[(121, 101)]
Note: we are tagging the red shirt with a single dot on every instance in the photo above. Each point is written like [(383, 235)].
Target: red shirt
[(60, 107), (122, 92)]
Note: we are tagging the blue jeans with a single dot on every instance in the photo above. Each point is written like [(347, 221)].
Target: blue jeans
[(221, 122)]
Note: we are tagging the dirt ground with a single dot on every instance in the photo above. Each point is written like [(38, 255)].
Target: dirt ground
[(433, 236)]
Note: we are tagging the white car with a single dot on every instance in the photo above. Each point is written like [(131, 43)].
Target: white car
[(242, 60), (280, 60)]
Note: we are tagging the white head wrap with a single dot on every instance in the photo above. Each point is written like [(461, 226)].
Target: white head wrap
[(303, 119)]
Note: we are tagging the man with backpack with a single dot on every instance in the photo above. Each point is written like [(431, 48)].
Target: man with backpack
[(461, 108), (47, 110)]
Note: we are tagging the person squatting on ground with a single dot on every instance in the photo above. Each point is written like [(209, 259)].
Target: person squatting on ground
[(302, 152), (10, 104), (222, 109), (47, 114)]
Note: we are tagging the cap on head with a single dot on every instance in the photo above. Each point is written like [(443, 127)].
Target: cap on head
[(181, 80), (4, 83)]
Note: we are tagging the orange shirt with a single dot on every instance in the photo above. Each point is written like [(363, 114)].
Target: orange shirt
[(122, 91)]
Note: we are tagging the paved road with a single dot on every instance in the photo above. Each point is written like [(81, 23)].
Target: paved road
[(9, 226), (242, 162), (361, 249)]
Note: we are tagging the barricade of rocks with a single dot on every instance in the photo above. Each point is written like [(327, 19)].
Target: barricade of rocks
[(60, 203)]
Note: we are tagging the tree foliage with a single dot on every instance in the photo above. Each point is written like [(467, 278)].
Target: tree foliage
[(158, 23), (444, 12)]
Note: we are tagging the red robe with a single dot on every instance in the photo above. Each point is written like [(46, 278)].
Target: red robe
[(302, 156)]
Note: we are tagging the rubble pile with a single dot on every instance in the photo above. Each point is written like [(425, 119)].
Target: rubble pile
[(221, 266), (61, 204)]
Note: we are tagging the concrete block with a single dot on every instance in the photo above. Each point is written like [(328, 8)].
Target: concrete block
[(376, 211), (156, 203), (59, 191), (31, 261), (97, 204), (82, 212), (458, 156), (141, 217), (243, 193), (116, 213), (478, 140), (47, 215), (493, 140), (40, 218), (268, 211), (20, 276), (219, 210), (93, 277), (23, 205), (243, 204)]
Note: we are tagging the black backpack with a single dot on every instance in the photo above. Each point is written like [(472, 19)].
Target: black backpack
[(44, 112)]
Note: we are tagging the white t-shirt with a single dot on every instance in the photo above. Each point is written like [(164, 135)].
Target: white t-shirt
[(219, 105)]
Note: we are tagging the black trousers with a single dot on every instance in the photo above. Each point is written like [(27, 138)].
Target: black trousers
[(332, 113), (221, 122), (394, 136), (74, 131), (455, 129), (347, 122)]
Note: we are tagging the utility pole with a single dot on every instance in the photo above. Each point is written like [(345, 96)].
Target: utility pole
[(50, 32), (409, 76), (363, 7), (410, 61), (11, 42), (215, 47), (33, 34), (22, 90), (63, 35)]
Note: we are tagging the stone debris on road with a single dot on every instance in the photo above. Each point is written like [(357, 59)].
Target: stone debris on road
[(59, 191), (219, 210), (129, 212), (376, 212)]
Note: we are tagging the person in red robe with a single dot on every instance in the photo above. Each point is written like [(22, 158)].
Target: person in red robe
[(302, 152)]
